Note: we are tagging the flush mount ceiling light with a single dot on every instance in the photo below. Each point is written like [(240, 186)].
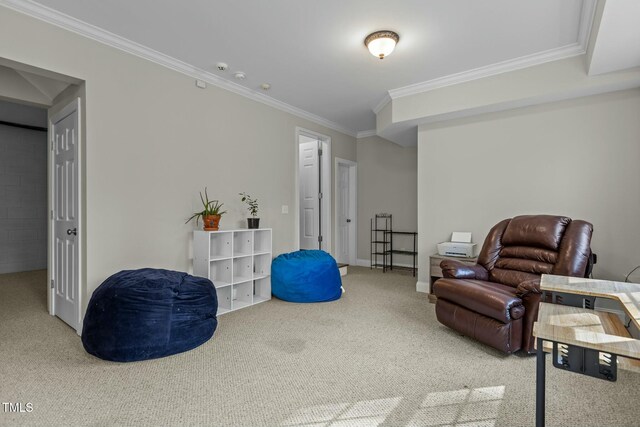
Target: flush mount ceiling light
[(381, 43)]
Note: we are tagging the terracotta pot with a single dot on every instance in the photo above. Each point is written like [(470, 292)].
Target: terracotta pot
[(211, 222)]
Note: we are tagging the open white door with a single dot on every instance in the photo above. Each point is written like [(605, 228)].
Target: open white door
[(64, 136), (346, 211), (309, 195), (313, 191)]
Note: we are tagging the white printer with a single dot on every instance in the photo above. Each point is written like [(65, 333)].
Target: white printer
[(460, 245)]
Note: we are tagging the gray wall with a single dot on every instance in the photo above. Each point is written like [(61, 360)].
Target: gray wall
[(387, 182), (23, 190), (578, 158)]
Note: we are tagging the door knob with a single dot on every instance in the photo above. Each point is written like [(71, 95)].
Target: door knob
[(71, 231), (348, 220)]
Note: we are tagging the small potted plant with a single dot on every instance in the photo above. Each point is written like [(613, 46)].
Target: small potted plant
[(252, 207), (211, 213)]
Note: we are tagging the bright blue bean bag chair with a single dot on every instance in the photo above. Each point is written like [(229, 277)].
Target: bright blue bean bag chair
[(306, 276), (149, 313)]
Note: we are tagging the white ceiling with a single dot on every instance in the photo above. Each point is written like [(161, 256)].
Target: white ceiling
[(312, 52)]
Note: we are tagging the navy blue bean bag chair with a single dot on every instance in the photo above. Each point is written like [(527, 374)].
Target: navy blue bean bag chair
[(306, 276), (149, 313)]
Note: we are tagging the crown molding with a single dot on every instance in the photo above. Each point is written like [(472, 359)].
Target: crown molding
[(383, 103), (578, 48), (54, 17), (586, 22), (490, 70), (366, 133)]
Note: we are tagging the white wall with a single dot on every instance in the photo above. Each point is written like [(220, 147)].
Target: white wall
[(578, 158), (23, 190), (153, 140), (387, 178)]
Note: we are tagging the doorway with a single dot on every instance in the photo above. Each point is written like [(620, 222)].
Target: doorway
[(55, 185), (23, 188), (313, 190), (346, 211)]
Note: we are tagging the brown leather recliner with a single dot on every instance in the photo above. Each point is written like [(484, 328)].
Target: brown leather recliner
[(496, 301)]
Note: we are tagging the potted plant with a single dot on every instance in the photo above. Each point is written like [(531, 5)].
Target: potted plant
[(211, 213), (252, 207)]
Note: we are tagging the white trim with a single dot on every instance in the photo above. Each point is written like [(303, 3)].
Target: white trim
[(490, 70), (586, 22), (383, 103), (363, 262), (367, 263), (65, 111), (366, 133), (100, 35), (578, 48), (422, 287), (327, 176), (353, 182)]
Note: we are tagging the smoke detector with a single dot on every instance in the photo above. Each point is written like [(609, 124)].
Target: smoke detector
[(239, 75), (265, 86), (221, 66)]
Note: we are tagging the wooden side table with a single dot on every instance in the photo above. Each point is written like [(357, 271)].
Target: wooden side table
[(436, 271)]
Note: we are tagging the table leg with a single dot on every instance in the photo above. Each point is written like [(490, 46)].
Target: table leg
[(540, 386)]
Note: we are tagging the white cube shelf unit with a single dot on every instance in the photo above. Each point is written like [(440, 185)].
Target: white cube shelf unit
[(238, 262)]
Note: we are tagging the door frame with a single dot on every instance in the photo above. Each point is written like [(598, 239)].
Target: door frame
[(353, 192), (327, 195), (66, 110)]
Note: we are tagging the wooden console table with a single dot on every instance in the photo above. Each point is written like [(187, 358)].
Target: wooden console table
[(582, 339)]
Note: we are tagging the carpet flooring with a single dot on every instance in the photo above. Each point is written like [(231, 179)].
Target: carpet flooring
[(375, 357)]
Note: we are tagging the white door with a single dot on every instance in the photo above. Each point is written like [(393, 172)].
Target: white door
[(309, 195), (345, 213), (65, 256)]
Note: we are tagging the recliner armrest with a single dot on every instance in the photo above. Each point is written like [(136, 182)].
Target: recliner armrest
[(528, 287), (453, 269)]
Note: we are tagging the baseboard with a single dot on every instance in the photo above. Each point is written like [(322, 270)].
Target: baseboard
[(422, 287), (363, 263), (367, 263)]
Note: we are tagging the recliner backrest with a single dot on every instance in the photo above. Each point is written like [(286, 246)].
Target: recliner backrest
[(524, 247)]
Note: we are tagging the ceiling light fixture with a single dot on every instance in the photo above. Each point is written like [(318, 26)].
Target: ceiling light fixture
[(381, 43)]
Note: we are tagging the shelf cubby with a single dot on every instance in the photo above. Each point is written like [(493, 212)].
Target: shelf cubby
[(242, 295), (261, 265), (261, 290), (262, 242), (242, 269), (221, 246), (224, 299), (242, 243), (220, 273)]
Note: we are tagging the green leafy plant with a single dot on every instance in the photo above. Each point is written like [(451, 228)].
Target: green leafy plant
[(211, 207), (252, 204)]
